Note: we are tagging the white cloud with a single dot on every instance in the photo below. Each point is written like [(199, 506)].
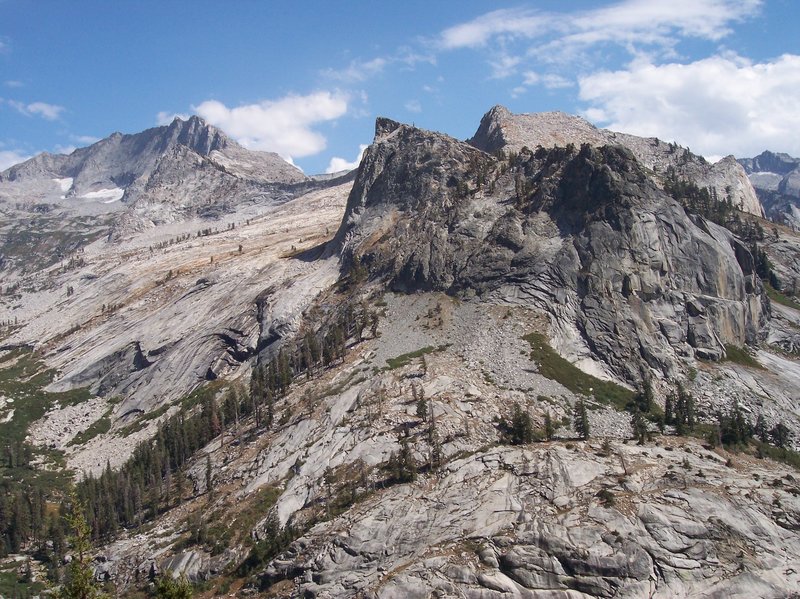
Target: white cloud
[(413, 106), (357, 70), (10, 158), (505, 22), (85, 139), (512, 39), (13, 83), (284, 126), (50, 112), (548, 80), (717, 106), (627, 21), (165, 117), (504, 66), (340, 164)]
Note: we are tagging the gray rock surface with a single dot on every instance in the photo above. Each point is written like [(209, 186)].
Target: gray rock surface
[(586, 236), (500, 129)]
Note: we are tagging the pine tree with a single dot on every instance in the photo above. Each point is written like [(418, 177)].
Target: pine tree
[(780, 435), (422, 405), (761, 429), (669, 414), (581, 419), (521, 427), (80, 582), (549, 430), (639, 426), (433, 439)]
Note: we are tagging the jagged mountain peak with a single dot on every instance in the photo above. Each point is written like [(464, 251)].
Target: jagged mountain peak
[(502, 130), (776, 178)]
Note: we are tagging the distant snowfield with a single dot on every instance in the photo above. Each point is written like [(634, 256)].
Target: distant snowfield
[(105, 195)]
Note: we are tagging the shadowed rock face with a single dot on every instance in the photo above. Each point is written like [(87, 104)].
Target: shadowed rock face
[(586, 235)]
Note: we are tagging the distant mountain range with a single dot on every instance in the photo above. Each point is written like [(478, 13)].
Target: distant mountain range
[(776, 178)]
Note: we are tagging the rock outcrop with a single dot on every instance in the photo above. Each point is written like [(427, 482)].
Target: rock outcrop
[(500, 129), (776, 178), (585, 235)]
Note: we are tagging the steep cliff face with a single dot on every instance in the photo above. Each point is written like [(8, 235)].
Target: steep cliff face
[(624, 272), (500, 129)]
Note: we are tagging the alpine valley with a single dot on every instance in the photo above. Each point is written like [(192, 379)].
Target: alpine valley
[(549, 361)]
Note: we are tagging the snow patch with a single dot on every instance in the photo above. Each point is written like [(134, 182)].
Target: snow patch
[(8, 417), (65, 184), (105, 195)]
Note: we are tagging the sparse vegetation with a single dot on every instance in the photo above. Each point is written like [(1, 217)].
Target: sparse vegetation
[(405, 359), (740, 355), (573, 378)]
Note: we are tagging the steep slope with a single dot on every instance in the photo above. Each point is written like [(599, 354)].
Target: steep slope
[(776, 178), (433, 450), (630, 281), (500, 129)]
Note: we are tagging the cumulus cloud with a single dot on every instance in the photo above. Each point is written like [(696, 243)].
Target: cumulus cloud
[(50, 112), (284, 126), (340, 164), (11, 157), (716, 106)]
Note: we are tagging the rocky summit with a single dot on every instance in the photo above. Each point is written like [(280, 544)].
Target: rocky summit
[(548, 361)]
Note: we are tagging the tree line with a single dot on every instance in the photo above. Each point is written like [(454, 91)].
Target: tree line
[(152, 480)]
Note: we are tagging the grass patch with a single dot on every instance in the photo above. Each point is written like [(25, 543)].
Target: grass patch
[(786, 456), (99, 427), (740, 355), (553, 366), (778, 297), (10, 585), (23, 378), (405, 359)]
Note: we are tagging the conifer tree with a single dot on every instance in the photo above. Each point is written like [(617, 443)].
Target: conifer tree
[(79, 582), (521, 427), (639, 426), (761, 429), (549, 430), (581, 420)]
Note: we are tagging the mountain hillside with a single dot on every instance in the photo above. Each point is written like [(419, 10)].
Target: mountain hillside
[(468, 369)]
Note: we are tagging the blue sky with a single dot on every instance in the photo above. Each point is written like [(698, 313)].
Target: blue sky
[(307, 79)]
